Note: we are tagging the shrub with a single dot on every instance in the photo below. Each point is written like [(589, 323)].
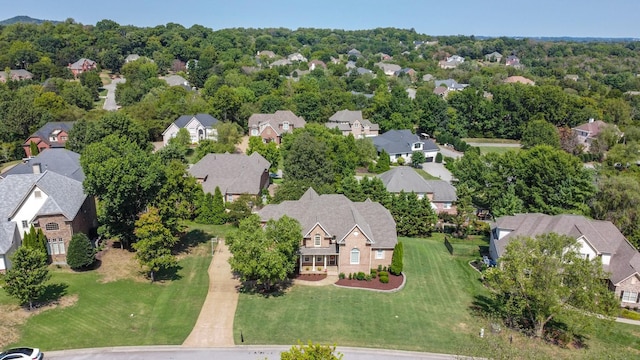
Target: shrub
[(384, 279), (383, 273), (400, 161), (80, 253), (350, 276), (374, 273), (341, 276), (396, 259), (439, 158), (380, 267), (360, 276), (368, 277), (629, 314)]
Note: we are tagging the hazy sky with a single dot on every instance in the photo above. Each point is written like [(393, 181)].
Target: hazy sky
[(579, 18)]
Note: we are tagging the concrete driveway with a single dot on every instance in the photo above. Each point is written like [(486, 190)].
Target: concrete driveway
[(110, 99)]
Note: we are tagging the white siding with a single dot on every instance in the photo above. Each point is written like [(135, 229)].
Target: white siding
[(170, 133), (28, 210), (585, 249), (3, 266)]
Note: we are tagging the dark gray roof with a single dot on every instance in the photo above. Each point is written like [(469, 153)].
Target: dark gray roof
[(50, 127), (65, 196), (338, 216), (405, 178), (401, 141), (602, 235), (450, 84), (232, 173), (62, 161), (206, 120), (7, 234)]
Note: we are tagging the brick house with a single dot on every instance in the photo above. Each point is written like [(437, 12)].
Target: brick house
[(270, 127), (440, 193), (55, 203), (234, 174), (352, 122), (81, 66), (338, 235), (15, 75), (598, 240), (51, 135)]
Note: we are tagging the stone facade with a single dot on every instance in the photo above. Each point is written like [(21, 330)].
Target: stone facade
[(632, 284)]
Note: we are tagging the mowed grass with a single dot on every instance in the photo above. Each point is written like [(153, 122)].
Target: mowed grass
[(497, 149), (120, 313), (432, 313)]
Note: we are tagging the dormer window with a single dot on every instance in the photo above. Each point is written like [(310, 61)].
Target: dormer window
[(417, 146), (285, 125)]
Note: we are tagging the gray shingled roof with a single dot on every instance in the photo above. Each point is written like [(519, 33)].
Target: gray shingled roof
[(400, 142), (338, 216), (602, 235), (65, 195), (7, 233), (48, 128), (206, 120), (62, 161), (346, 116), (232, 173), (276, 119), (405, 178), (80, 63)]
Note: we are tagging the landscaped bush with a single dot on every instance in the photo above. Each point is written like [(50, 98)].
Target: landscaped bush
[(630, 314), (360, 276), (397, 259), (400, 161), (80, 253), (374, 273), (439, 158), (341, 276), (384, 279), (379, 267), (383, 273), (350, 276), (368, 277)]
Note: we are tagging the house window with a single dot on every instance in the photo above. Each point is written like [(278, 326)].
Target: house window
[(230, 197), (55, 246), (317, 241), (447, 205), (356, 124), (417, 146), (254, 132), (306, 259), (37, 194), (51, 226), (318, 259), (285, 125), (63, 138), (630, 296), (355, 257), (379, 254), (25, 224)]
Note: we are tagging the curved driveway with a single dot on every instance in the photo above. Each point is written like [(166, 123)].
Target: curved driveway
[(110, 99)]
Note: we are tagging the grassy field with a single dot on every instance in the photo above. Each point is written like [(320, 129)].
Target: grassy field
[(490, 141), (426, 175), (119, 313), (497, 149), (430, 314)]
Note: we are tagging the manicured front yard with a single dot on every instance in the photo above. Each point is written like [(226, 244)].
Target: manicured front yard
[(123, 312), (430, 314)]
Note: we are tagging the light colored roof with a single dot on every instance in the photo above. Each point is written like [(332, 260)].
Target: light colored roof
[(442, 191), (602, 235), (592, 127), (450, 84), (347, 116), (388, 68), (19, 73), (276, 119), (405, 178), (176, 80), (519, 79), (79, 65), (338, 215), (232, 173), (401, 141), (59, 160), (132, 57), (7, 234)]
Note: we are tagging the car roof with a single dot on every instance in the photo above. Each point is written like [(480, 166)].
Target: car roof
[(22, 350)]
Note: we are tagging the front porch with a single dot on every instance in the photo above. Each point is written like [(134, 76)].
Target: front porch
[(318, 263)]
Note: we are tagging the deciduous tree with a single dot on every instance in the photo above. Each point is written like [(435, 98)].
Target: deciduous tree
[(26, 278), (155, 241)]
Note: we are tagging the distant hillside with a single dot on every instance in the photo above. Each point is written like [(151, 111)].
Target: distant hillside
[(26, 20)]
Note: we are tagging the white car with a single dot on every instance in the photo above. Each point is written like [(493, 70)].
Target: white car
[(22, 353)]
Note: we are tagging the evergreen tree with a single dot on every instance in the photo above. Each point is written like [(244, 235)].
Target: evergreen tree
[(25, 279), (219, 215), (397, 263), (384, 162), (205, 212), (34, 148), (351, 189), (80, 253)]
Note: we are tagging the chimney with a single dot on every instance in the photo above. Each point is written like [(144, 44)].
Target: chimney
[(591, 120), (36, 168)]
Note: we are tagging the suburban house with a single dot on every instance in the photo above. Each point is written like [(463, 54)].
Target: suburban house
[(51, 135), (266, 53), (200, 127), (15, 75), (55, 203), (131, 57), (81, 66), (402, 144), (176, 80), (519, 79), (352, 122), (58, 160), (281, 62), (513, 60), (234, 174), (296, 57), (444, 87), (338, 235), (597, 239), (493, 57), (388, 69), (359, 71), (317, 64), (451, 62), (354, 52), (589, 131), (409, 72), (440, 193), (10, 241), (270, 127)]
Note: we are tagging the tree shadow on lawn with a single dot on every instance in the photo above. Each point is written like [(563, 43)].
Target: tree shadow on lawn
[(191, 239), (52, 293), (168, 274), (252, 287)]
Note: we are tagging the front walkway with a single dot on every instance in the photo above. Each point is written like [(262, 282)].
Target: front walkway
[(214, 327)]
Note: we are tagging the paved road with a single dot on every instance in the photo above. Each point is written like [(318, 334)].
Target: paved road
[(234, 353), (110, 100)]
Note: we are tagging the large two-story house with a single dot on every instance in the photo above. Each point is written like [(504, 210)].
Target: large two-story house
[(440, 193), (402, 144), (50, 135), (199, 126), (270, 127), (338, 235), (598, 240), (352, 122)]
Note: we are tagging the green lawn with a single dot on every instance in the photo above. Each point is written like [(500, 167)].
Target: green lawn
[(120, 313), (426, 175), (490, 141), (430, 314), (497, 149)]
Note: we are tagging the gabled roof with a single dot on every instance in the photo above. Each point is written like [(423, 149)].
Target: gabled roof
[(65, 195), (276, 119), (338, 215), (17, 73), (401, 141), (232, 173), (405, 178), (79, 65), (347, 116), (450, 84), (593, 128), (176, 80), (205, 120), (388, 68), (48, 129), (603, 236), (59, 160), (131, 57), (7, 234)]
